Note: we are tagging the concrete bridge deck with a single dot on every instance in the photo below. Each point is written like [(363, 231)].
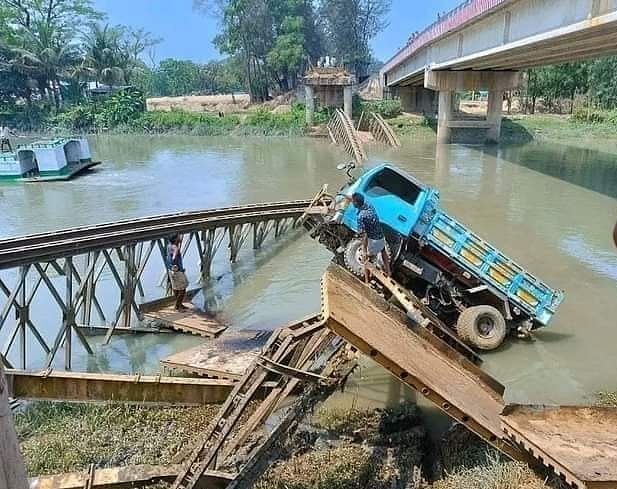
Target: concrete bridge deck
[(483, 44)]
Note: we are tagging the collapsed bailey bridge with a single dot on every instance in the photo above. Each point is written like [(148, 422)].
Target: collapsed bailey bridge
[(297, 366)]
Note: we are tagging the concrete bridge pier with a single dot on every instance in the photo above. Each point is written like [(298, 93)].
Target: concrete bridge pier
[(444, 117), (446, 83), (418, 99), (493, 115)]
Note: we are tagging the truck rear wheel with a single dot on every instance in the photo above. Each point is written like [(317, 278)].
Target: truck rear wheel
[(354, 257), (482, 326)]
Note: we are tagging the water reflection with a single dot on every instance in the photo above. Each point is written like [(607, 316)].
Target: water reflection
[(589, 168)]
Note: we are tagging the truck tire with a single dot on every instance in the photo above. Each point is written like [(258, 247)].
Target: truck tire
[(483, 327), (354, 261)]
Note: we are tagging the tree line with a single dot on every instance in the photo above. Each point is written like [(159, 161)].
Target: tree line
[(594, 80), (50, 49), (275, 41)]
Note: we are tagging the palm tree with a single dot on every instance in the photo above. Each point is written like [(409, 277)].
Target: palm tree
[(104, 54), (47, 59)]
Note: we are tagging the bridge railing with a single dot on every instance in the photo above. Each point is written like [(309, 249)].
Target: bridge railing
[(53, 284), (452, 20)]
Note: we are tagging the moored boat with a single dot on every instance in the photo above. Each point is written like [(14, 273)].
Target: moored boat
[(48, 160)]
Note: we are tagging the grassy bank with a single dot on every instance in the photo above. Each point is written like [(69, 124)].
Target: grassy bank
[(334, 449), (518, 129), (388, 449), (62, 437)]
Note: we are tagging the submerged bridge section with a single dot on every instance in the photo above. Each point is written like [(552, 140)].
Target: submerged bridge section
[(579, 444), (51, 284), (483, 44)]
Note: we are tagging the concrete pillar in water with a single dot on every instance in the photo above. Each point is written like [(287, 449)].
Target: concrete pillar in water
[(348, 101), (309, 103), (494, 114), (444, 116), (12, 470)]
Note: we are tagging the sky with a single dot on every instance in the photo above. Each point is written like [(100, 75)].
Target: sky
[(188, 34)]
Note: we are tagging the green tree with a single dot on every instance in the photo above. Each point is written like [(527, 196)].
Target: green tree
[(273, 39), (102, 54), (349, 26), (47, 59), (176, 77), (602, 86)]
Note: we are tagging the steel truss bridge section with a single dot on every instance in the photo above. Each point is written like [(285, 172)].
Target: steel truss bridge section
[(53, 283)]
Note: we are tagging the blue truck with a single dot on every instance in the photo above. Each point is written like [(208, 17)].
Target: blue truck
[(474, 288)]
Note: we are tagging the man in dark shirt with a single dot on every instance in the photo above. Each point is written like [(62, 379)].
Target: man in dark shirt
[(615, 234), (175, 269), (371, 232)]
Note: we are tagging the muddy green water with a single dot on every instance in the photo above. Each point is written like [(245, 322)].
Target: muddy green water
[(551, 207)]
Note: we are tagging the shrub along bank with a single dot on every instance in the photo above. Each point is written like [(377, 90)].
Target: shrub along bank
[(125, 112)]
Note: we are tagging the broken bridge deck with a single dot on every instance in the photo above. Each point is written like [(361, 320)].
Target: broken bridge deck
[(579, 444), (193, 321), (226, 357)]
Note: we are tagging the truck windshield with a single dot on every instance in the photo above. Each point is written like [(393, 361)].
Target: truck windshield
[(389, 182)]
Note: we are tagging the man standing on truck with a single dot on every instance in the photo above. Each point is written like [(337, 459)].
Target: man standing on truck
[(371, 232)]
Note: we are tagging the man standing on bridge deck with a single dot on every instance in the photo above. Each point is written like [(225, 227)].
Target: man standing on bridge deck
[(371, 232), (175, 269)]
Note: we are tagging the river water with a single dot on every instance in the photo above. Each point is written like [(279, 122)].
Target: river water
[(551, 207)]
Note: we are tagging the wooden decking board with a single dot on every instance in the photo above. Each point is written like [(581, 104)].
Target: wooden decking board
[(579, 443), (193, 321), (367, 321), (226, 357)]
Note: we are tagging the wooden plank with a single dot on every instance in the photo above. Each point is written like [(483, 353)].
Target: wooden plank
[(193, 321), (226, 357), (125, 477), (367, 321), (72, 386), (578, 443), (288, 371), (163, 302), (102, 330)]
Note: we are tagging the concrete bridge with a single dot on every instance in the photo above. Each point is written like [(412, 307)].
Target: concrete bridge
[(484, 45)]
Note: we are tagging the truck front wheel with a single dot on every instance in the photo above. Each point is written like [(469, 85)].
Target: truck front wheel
[(482, 326), (354, 257)]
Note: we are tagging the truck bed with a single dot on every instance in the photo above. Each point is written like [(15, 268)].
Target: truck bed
[(492, 267)]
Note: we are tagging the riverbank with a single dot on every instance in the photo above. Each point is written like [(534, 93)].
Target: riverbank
[(62, 437), (125, 113), (345, 449), (517, 129)]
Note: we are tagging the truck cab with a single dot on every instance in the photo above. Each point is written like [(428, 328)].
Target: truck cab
[(398, 198)]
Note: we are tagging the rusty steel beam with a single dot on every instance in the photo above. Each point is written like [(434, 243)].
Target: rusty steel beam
[(69, 386), (133, 224), (49, 246), (124, 478)]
